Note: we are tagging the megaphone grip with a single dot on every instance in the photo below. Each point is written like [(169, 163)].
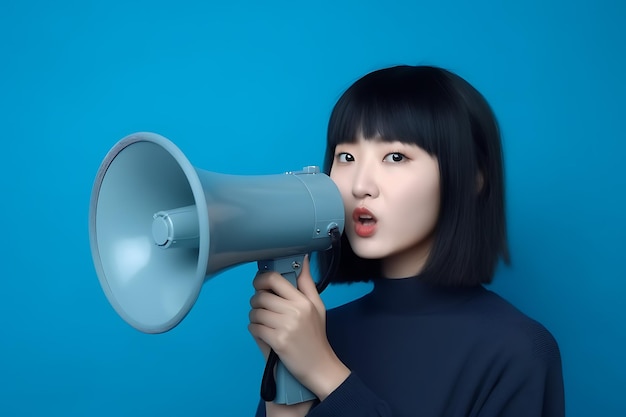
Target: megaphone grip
[(284, 388), (268, 384), (291, 271)]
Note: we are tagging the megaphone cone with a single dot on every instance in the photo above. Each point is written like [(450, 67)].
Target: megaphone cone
[(150, 288), (159, 227)]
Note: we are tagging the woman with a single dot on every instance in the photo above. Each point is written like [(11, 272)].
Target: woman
[(415, 152)]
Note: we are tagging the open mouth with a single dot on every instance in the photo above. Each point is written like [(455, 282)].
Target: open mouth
[(364, 222), (366, 219)]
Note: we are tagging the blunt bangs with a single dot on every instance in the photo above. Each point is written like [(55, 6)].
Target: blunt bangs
[(445, 116), (387, 108)]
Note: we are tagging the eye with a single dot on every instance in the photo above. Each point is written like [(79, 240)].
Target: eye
[(344, 157), (394, 157)]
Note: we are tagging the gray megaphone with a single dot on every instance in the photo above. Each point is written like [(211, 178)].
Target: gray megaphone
[(159, 228)]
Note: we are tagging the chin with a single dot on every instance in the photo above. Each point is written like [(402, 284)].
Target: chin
[(369, 251)]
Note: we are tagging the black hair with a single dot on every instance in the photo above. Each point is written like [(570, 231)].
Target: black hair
[(448, 118)]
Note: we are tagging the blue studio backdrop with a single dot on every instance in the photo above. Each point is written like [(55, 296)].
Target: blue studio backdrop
[(246, 87)]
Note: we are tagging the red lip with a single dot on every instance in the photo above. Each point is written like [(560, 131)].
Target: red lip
[(364, 222)]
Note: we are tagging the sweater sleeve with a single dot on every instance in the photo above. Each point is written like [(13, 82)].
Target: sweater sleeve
[(351, 399), (526, 388)]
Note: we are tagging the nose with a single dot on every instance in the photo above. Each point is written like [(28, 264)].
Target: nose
[(364, 182)]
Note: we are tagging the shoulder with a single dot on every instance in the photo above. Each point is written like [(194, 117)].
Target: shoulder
[(512, 330), (521, 357)]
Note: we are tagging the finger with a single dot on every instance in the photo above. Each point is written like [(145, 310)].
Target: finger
[(264, 299), (273, 338), (263, 346), (276, 283), (261, 334), (259, 281), (265, 317), (267, 300)]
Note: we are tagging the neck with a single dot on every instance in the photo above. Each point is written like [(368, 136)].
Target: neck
[(407, 263)]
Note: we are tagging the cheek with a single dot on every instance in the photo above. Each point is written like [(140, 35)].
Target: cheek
[(419, 205), (340, 182)]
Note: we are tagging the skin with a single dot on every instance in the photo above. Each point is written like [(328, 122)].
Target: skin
[(398, 183), (394, 188)]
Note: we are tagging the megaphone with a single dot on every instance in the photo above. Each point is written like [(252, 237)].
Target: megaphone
[(160, 228)]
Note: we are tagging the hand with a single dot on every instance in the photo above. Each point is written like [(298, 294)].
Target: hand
[(292, 321)]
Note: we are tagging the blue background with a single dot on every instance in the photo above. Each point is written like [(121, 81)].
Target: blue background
[(246, 88)]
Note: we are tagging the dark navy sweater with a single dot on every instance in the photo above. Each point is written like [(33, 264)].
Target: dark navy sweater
[(418, 350)]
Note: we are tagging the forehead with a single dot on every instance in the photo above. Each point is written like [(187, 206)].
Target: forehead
[(375, 141)]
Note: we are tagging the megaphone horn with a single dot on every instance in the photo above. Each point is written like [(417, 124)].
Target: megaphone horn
[(159, 227)]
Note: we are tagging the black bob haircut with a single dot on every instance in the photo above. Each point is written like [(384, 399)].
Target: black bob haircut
[(448, 118)]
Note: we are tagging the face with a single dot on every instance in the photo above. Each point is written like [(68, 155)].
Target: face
[(390, 191)]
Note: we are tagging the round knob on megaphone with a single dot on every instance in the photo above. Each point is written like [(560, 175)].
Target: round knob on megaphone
[(176, 228)]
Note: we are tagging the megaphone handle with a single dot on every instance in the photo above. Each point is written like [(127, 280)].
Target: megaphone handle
[(288, 389)]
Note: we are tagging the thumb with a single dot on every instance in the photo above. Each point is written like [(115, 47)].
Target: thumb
[(306, 285)]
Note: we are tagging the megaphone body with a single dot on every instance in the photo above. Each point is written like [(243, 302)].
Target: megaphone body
[(160, 228)]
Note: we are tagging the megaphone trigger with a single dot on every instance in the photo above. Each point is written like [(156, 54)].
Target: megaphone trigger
[(289, 267)]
